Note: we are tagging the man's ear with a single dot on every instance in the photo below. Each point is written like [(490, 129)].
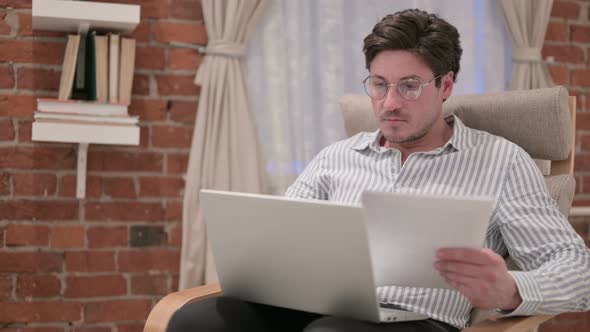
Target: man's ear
[(447, 83)]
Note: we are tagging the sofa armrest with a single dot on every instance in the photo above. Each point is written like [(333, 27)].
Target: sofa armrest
[(162, 312), (509, 324)]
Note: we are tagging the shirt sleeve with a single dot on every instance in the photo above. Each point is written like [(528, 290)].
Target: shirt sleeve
[(311, 183), (554, 258)]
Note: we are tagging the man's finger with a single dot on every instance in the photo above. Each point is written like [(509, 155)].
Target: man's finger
[(468, 255), (466, 269)]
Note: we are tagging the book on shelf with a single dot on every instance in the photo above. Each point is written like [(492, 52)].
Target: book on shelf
[(112, 119), (81, 107), (126, 66), (72, 132), (101, 44), (113, 67), (68, 69)]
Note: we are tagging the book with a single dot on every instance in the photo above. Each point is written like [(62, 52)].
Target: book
[(126, 64), (102, 62), (113, 67), (112, 119), (72, 132), (68, 69), (91, 65), (80, 81), (81, 107)]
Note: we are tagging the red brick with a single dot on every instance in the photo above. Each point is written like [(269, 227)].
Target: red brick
[(149, 260), (107, 237), (39, 210), (115, 311), (148, 109), (184, 59), (25, 131), (32, 51), (42, 329), (50, 311), (67, 237), (144, 137), (18, 105), (119, 161), (89, 261), (175, 236), (119, 187), (124, 211), (149, 57), (177, 163), (560, 75), (190, 33), (4, 184), (34, 184), (6, 76), (177, 85), (161, 187), (581, 77), (141, 84), (565, 9), (27, 235), (186, 10), (92, 329), (568, 54), (16, 3), (30, 262), (67, 187), (38, 286), (95, 286), (39, 157), (6, 130), (175, 278), (6, 286), (556, 31), (582, 162), (142, 32), (580, 33), (38, 79), (130, 328), (183, 111), (173, 211), (5, 28), (149, 285), (172, 137)]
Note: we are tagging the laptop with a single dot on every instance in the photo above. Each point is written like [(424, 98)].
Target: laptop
[(306, 255)]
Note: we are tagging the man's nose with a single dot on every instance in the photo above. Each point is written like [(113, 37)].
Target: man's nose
[(392, 99)]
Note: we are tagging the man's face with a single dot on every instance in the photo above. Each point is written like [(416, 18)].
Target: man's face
[(402, 121)]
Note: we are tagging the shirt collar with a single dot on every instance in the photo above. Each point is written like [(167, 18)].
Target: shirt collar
[(459, 141)]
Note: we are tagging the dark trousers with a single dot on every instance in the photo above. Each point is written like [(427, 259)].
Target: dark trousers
[(223, 314)]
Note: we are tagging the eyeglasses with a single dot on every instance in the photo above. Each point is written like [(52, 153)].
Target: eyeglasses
[(408, 88)]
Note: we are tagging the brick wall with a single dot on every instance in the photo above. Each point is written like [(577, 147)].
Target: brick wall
[(568, 42), (101, 263)]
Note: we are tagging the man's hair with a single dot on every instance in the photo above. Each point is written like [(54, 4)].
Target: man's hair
[(432, 39)]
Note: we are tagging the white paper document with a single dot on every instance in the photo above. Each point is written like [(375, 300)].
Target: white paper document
[(405, 232)]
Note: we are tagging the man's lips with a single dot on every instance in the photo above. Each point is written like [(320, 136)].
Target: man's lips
[(392, 120)]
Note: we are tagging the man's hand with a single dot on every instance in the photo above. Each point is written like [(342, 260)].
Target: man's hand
[(481, 275)]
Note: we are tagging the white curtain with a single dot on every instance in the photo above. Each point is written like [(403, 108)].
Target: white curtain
[(527, 22), (307, 53), (225, 152)]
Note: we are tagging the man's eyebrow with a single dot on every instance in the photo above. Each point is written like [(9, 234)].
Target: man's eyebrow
[(402, 78)]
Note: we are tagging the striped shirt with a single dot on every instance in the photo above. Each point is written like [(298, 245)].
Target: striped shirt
[(525, 223)]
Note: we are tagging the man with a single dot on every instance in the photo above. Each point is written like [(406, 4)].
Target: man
[(413, 60)]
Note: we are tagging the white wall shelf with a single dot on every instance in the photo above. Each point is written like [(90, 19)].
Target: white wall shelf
[(84, 134), (76, 16)]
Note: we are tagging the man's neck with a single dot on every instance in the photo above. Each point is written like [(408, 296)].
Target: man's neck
[(438, 136)]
